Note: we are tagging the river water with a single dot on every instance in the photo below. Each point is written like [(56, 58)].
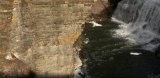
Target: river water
[(125, 46), (109, 56)]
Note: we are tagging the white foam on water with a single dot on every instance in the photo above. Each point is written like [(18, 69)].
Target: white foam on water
[(95, 24), (140, 22), (77, 72), (123, 30), (135, 53), (136, 34), (86, 41), (150, 47)]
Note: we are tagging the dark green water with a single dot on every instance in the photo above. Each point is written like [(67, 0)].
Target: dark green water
[(106, 56)]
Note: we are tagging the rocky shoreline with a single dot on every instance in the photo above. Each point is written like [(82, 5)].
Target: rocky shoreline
[(101, 11)]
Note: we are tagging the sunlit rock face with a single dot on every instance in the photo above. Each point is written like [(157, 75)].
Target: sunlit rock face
[(42, 33), (6, 7)]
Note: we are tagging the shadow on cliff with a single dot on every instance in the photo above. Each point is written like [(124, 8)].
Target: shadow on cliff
[(33, 75), (15, 68), (101, 11)]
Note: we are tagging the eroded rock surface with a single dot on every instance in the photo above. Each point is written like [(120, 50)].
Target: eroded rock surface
[(42, 32), (6, 7), (99, 11), (102, 10)]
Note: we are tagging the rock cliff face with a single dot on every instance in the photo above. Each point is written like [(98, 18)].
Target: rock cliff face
[(6, 7), (42, 33)]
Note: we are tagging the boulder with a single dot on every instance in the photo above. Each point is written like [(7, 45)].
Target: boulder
[(102, 10), (98, 8)]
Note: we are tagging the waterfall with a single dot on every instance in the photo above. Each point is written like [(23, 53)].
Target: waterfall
[(139, 22)]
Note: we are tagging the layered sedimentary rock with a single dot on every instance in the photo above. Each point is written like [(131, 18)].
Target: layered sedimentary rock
[(6, 7), (42, 32)]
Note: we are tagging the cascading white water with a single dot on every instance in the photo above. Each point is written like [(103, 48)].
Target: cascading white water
[(139, 22)]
